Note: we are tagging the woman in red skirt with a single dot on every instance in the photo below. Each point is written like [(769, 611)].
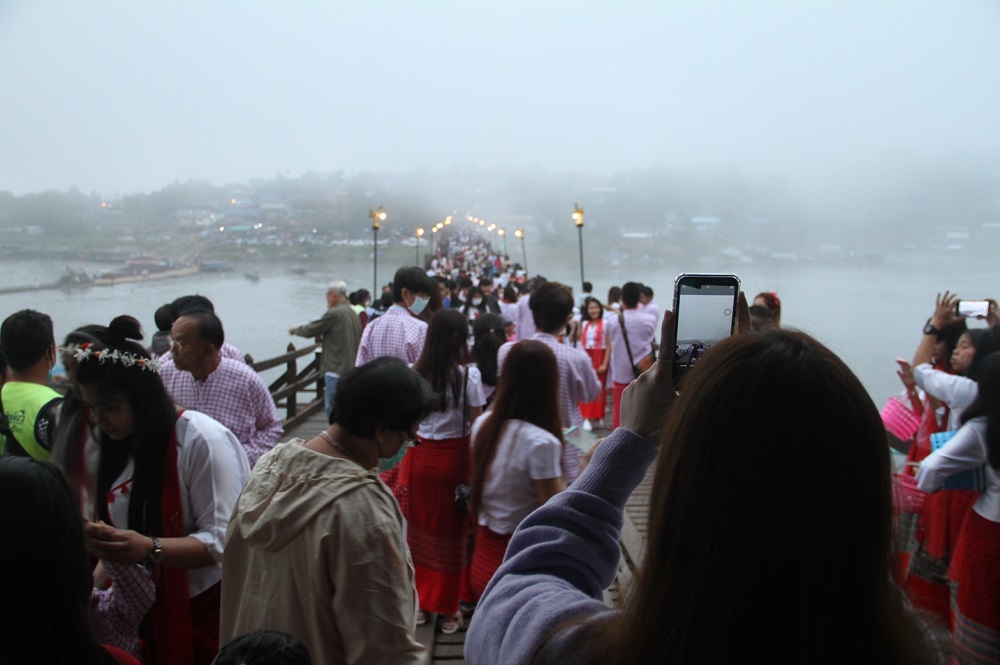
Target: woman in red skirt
[(517, 448), (975, 564), (433, 471), (595, 343)]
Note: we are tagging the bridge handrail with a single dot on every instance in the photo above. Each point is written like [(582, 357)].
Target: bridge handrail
[(285, 389)]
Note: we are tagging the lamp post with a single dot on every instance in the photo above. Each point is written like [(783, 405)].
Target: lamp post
[(420, 234), (578, 219), (503, 234), (519, 233), (434, 231), (377, 216)]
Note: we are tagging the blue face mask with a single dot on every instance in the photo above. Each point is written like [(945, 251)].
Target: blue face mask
[(389, 463), (418, 305)]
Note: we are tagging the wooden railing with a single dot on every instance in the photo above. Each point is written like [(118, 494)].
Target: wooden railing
[(286, 388)]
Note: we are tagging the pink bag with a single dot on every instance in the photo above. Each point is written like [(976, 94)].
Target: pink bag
[(899, 420)]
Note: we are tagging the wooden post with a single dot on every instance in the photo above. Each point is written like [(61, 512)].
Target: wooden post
[(320, 376), (291, 373)]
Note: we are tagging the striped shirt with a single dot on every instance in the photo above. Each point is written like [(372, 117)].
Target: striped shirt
[(396, 333)]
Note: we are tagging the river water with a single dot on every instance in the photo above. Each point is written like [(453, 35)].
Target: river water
[(867, 313)]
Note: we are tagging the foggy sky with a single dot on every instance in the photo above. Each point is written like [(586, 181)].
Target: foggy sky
[(120, 97)]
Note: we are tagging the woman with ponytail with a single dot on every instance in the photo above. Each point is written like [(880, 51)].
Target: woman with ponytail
[(167, 482)]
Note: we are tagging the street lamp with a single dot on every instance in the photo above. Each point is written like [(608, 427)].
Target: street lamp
[(434, 231), (503, 234), (519, 233), (420, 234), (377, 216), (578, 219)]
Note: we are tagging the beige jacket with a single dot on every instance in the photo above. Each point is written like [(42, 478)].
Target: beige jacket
[(316, 548)]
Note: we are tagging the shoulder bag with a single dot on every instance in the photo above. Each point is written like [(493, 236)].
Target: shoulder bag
[(644, 363)]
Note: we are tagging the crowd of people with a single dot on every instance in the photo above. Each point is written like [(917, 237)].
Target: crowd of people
[(159, 518)]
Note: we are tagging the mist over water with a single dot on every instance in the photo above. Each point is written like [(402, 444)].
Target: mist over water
[(868, 314)]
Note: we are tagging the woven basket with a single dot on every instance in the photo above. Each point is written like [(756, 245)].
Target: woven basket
[(899, 420), (907, 496)]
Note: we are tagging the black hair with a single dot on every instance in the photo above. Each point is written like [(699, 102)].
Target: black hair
[(630, 294), (987, 405), (551, 303), (192, 303), (646, 291), (209, 327), (45, 573), (950, 333), (264, 647), (445, 350), (412, 278), (361, 295), (402, 395), (3, 365), (986, 341), (27, 336), (588, 287), (155, 418), (163, 317), (585, 310), (489, 333)]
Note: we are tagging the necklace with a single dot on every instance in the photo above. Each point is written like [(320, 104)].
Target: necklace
[(333, 442)]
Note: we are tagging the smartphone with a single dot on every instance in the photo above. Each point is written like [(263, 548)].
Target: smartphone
[(972, 309), (704, 313)]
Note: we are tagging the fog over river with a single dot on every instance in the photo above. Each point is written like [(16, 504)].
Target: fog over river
[(868, 313)]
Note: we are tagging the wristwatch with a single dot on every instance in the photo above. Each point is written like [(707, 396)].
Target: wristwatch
[(929, 328), (156, 556)]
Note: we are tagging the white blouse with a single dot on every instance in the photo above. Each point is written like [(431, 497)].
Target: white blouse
[(212, 469)]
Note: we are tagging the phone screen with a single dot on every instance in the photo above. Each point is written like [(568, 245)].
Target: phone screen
[(705, 312), (973, 309)]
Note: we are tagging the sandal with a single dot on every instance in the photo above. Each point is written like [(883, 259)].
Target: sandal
[(451, 623)]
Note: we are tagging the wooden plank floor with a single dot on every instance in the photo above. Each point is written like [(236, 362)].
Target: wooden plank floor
[(447, 649)]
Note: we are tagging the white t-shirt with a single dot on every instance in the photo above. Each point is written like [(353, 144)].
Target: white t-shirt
[(447, 424), (524, 453)]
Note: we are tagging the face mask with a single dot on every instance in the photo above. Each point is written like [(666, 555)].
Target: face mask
[(418, 305), (388, 463), (476, 302)]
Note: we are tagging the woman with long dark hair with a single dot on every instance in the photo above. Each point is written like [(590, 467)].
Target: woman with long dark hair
[(46, 579), (516, 453), (167, 483), (974, 572), (737, 568), (435, 473)]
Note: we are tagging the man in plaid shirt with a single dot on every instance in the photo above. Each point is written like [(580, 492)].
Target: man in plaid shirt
[(199, 378), (398, 332)]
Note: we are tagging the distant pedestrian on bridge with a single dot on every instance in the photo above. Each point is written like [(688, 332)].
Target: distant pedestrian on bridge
[(340, 330), (398, 332)]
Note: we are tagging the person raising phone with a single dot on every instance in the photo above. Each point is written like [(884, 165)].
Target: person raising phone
[(734, 546)]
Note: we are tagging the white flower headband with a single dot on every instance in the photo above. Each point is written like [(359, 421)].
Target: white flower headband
[(84, 351)]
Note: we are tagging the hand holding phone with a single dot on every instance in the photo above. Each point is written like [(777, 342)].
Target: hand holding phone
[(972, 309), (705, 312)]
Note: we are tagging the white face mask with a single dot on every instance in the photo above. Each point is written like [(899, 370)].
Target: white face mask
[(418, 305), (476, 302)]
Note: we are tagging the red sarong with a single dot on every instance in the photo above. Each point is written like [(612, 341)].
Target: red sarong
[(595, 410), (435, 529), (486, 558), (975, 570)]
